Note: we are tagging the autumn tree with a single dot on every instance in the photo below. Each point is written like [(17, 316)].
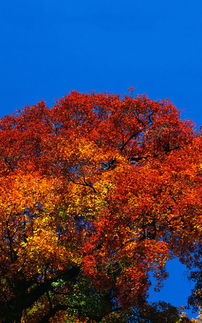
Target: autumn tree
[(95, 193)]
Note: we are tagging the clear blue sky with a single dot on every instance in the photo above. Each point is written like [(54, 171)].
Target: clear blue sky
[(50, 47)]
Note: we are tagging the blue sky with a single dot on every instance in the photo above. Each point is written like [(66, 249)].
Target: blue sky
[(50, 47)]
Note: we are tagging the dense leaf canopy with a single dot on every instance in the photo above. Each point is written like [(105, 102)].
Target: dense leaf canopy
[(95, 193)]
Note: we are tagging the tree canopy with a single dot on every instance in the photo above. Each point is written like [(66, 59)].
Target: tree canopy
[(95, 193)]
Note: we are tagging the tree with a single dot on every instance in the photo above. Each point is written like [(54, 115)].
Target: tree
[(96, 192)]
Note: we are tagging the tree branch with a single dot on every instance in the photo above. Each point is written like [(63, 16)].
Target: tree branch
[(24, 299)]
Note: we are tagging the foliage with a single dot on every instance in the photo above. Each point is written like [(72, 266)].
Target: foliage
[(95, 193), (156, 313)]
